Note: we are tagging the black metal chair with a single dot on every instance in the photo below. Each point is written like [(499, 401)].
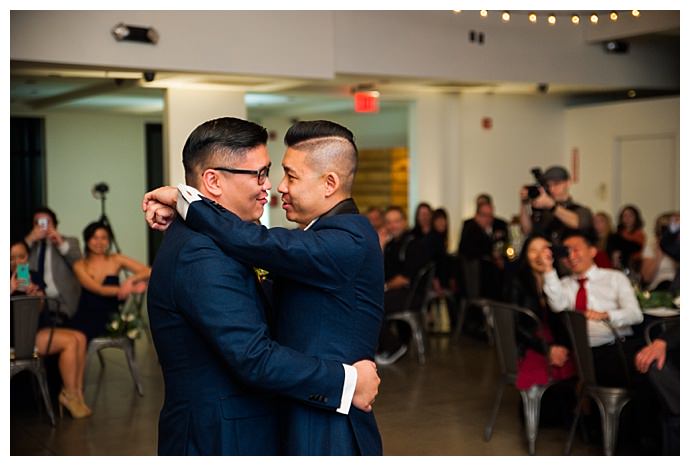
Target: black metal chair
[(470, 272), (610, 400), (653, 329), (25, 316), (412, 313), (504, 318), (126, 344)]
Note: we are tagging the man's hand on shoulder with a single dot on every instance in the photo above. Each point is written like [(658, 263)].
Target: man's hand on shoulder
[(159, 207), (367, 388)]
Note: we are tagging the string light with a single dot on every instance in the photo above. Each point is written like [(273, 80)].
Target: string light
[(635, 13), (532, 17), (613, 16), (483, 13), (552, 19), (456, 11), (575, 19), (505, 16), (594, 18)]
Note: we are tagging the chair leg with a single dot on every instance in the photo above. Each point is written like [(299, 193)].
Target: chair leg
[(461, 309), (133, 369), (531, 403), (610, 410), (40, 374), (418, 336), (573, 427), (489, 429)]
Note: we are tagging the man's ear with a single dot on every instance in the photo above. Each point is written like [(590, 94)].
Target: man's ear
[(332, 181), (210, 179)]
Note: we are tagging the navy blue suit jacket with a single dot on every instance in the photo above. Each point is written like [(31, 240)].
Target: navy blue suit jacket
[(328, 284), (219, 364)]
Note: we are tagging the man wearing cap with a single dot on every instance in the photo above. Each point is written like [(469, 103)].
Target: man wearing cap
[(553, 211)]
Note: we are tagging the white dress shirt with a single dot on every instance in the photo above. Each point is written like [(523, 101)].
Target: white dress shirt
[(186, 195), (608, 291)]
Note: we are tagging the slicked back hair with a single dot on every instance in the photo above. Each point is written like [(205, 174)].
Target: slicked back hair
[(219, 140), (329, 147)]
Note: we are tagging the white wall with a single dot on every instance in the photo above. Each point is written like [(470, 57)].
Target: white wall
[(594, 130), (85, 148)]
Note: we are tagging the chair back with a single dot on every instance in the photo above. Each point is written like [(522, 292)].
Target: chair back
[(654, 329), (25, 313), (419, 290), (470, 273), (505, 317), (576, 324)]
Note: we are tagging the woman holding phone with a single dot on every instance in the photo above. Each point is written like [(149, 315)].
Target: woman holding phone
[(68, 343)]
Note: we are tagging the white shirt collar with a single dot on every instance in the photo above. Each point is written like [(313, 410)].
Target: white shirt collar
[(311, 223)]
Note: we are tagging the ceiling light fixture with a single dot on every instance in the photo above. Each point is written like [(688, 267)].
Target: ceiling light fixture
[(122, 31), (483, 13), (575, 19), (552, 19), (594, 18), (613, 16), (505, 16), (532, 17), (635, 13)]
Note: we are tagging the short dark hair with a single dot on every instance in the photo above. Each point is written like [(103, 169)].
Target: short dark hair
[(232, 136), (484, 198), (329, 147), (395, 208), (91, 229), (17, 241), (589, 236), (45, 210)]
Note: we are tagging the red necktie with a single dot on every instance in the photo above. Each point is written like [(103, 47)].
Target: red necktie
[(581, 297)]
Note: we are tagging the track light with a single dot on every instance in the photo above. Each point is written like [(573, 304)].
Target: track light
[(483, 13), (594, 18), (532, 17), (505, 16), (575, 19), (552, 19), (635, 13), (613, 16), (122, 31)]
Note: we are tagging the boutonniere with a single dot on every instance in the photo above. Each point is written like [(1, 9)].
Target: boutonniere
[(261, 274)]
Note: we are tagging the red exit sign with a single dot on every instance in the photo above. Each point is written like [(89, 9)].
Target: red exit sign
[(367, 102)]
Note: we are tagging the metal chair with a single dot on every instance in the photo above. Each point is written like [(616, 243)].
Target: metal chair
[(504, 318), (25, 314), (470, 272), (658, 326), (416, 303), (610, 400), (124, 343)]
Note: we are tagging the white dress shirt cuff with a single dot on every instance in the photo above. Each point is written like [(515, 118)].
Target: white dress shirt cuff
[(185, 196), (64, 247), (348, 389)]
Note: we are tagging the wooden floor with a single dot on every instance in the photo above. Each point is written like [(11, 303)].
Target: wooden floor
[(437, 409)]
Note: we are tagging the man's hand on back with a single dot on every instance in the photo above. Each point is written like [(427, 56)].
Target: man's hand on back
[(367, 388), (159, 207)]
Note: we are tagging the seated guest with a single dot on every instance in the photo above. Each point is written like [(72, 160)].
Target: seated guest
[(445, 275), (660, 360), (422, 220), (51, 256), (375, 216), (658, 269), (603, 227), (482, 240), (98, 274), (630, 237), (403, 257), (526, 290), (68, 344), (602, 295)]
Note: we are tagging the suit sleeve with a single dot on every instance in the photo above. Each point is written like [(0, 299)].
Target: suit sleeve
[(213, 292), (325, 258)]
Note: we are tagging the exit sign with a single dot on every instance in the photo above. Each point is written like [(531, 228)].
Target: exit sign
[(367, 102)]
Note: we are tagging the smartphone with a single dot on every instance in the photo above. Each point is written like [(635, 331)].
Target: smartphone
[(23, 275), (42, 223)]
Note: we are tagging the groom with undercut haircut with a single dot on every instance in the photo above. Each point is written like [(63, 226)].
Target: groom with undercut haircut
[(328, 274)]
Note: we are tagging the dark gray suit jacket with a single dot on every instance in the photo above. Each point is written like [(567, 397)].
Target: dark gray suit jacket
[(67, 284)]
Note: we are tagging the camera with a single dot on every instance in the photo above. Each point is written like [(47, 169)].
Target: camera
[(533, 189), (42, 223)]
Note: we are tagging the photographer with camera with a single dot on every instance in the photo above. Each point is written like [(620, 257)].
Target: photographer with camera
[(547, 207), (51, 256)]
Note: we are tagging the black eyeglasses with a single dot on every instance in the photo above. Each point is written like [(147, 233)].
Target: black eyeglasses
[(261, 174)]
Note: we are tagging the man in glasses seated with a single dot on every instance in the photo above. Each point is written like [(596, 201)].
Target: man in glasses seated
[(210, 327)]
